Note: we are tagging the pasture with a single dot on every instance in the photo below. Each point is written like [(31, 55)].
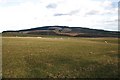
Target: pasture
[(67, 57)]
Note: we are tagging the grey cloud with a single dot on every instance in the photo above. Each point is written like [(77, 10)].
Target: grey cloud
[(60, 14), (73, 12), (93, 12), (52, 5), (115, 20), (119, 4), (69, 13), (118, 20), (96, 12)]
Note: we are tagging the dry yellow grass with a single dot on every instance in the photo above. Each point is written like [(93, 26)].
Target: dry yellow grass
[(32, 57)]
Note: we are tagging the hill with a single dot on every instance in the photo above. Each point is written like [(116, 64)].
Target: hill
[(66, 31)]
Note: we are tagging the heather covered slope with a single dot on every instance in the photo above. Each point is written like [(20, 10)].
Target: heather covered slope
[(67, 31)]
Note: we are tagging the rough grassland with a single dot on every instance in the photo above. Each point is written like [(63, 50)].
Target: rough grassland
[(34, 57)]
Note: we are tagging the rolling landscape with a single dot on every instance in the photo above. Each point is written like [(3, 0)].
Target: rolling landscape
[(60, 52), (59, 39), (65, 31)]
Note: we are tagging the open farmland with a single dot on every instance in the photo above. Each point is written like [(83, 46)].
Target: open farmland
[(36, 57)]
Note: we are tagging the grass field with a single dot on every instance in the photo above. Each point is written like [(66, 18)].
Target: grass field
[(32, 57)]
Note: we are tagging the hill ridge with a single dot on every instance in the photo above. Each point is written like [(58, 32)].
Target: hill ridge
[(67, 31)]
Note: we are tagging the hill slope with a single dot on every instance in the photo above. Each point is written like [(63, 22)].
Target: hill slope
[(67, 31)]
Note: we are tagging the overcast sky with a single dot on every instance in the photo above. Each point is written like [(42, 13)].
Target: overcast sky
[(23, 14)]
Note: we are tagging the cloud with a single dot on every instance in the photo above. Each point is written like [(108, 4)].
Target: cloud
[(3, 1), (106, 3), (92, 12), (109, 21), (97, 14), (74, 12), (69, 13), (60, 14), (51, 5), (103, 12)]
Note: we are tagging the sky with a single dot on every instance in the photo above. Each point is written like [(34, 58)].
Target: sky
[(25, 14)]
